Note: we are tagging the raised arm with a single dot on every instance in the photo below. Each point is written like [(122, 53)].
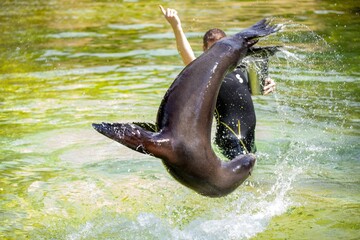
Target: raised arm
[(182, 44)]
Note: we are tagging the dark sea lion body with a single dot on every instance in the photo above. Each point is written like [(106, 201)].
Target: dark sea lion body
[(183, 135)]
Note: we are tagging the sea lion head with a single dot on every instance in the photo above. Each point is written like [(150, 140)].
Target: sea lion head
[(243, 165)]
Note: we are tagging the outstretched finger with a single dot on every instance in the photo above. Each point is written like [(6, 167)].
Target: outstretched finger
[(162, 9)]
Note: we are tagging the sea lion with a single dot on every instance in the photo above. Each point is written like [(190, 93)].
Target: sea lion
[(182, 139)]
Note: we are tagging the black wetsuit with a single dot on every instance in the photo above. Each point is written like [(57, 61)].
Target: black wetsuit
[(235, 115)]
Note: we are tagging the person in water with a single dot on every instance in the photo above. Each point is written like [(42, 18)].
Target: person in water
[(235, 114)]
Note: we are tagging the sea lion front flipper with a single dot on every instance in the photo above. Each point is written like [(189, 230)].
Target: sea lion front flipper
[(260, 29), (147, 126), (135, 137)]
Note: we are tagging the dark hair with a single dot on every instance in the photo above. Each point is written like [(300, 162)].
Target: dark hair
[(212, 36)]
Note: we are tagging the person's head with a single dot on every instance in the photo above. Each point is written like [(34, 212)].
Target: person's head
[(211, 37)]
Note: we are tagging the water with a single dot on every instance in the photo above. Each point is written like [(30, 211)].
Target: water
[(66, 64)]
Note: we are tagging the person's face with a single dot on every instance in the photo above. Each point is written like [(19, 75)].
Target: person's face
[(210, 43)]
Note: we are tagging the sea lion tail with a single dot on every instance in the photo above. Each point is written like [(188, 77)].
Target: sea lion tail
[(134, 137)]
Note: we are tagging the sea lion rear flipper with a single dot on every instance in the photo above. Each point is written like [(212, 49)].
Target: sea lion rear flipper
[(134, 137)]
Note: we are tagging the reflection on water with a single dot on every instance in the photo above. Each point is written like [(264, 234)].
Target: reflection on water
[(64, 65)]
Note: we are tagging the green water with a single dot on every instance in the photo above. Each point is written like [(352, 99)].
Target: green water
[(66, 64)]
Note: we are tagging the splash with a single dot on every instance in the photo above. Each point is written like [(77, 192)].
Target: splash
[(243, 216), (303, 48)]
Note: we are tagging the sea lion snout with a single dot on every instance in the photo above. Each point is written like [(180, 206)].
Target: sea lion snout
[(243, 164), (248, 161)]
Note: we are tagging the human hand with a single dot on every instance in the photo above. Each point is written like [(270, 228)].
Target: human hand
[(269, 86), (171, 16)]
